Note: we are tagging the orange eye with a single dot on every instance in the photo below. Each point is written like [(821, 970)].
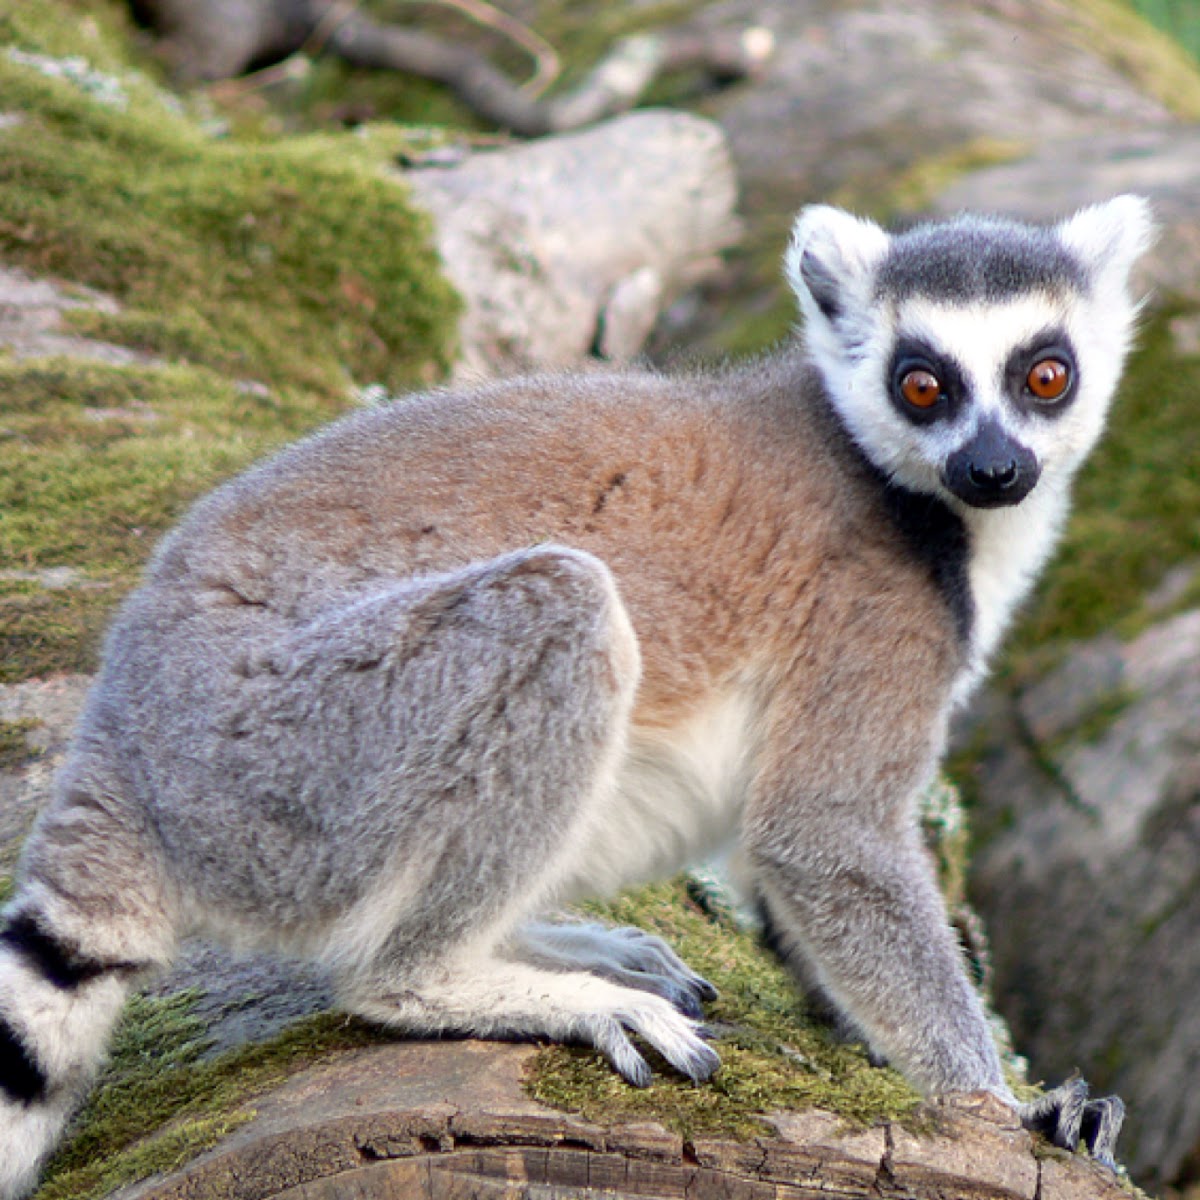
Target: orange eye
[(921, 388), (1048, 379)]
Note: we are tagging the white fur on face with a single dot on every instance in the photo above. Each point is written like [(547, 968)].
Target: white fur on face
[(836, 258), (979, 337), (832, 264), (1009, 546)]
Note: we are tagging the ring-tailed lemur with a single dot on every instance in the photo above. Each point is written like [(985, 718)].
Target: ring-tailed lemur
[(386, 697)]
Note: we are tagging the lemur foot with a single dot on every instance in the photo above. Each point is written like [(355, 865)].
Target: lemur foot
[(625, 955), (1067, 1117), (644, 961)]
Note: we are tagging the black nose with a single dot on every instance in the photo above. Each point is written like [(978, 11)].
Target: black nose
[(994, 478), (992, 470)]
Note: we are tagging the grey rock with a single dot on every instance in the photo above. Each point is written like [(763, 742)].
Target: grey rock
[(1066, 174), (859, 89), (1089, 783), (51, 706), (31, 324), (868, 104), (571, 243)]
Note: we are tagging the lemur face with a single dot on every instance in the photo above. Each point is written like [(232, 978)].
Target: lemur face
[(975, 359)]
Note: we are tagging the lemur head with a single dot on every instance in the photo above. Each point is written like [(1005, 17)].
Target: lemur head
[(974, 358)]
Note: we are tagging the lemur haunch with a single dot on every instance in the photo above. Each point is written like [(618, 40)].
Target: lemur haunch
[(388, 696)]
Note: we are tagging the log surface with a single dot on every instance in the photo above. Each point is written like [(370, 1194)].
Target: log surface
[(450, 1120)]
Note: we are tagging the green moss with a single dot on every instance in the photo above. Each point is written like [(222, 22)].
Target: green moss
[(944, 824), (295, 262), (1156, 62), (15, 750), (96, 461), (1135, 508), (45, 632), (99, 30), (774, 1054), (159, 1081)]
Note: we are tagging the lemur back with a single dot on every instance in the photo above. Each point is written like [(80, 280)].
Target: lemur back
[(452, 661)]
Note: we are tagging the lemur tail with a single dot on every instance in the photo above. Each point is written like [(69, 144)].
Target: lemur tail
[(83, 926)]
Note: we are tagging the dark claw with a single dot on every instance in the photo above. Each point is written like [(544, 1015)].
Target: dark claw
[(703, 1065), (686, 1003), (1066, 1116), (704, 989)]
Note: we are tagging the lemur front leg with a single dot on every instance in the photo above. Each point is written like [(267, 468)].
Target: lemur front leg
[(858, 909), (855, 908)]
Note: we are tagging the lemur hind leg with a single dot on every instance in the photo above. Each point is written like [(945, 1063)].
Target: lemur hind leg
[(529, 676)]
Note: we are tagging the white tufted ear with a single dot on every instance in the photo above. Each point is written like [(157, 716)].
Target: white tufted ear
[(1109, 238), (831, 259)]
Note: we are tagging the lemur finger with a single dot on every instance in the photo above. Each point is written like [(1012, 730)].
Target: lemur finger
[(1101, 1126), (647, 952), (676, 1039), (613, 1042), (683, 1000)]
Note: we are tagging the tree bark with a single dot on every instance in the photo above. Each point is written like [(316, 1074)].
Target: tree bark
[(208, 40), (446, 1120)]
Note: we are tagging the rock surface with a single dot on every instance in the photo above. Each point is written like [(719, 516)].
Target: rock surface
[(432, 1121), (1088, 876), (47, 710), (897, 110), (31, 320), (1163, 164), (859, 90), (569, 246)]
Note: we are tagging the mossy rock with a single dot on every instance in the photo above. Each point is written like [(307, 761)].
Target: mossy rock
[(269, 282), (295, 263)]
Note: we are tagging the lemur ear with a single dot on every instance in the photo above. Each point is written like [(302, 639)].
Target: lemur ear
[(831, 256), (1109, 238)]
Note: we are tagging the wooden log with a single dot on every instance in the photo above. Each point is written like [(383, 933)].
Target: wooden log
[(451, 1121)]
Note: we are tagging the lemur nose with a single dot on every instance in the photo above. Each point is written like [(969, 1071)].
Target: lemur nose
[(994, 477)]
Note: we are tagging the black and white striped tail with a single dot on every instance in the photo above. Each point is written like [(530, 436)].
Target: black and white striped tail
[(57, 1008)]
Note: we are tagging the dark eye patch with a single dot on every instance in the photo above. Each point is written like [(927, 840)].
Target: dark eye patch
[(1051, 344), (914, 354)]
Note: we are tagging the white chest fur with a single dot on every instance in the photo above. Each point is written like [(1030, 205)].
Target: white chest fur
[(677, 799), (1009, 546)]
